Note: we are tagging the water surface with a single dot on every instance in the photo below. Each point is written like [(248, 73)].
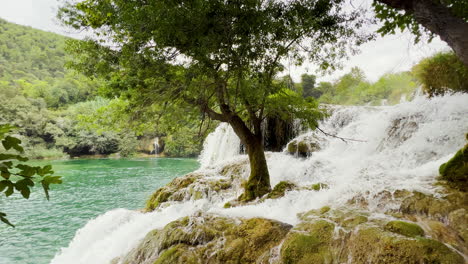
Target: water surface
[(90, 188)]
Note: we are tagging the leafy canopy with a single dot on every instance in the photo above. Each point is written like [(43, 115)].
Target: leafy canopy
[(394, 19), (219, 56), (18, 175)]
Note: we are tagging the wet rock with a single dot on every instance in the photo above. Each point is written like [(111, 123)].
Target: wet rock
[(280, 189), (455, 171), (193, 186), (302, 148), (404, 228), (311, 241), (210, 239), (372, 245)]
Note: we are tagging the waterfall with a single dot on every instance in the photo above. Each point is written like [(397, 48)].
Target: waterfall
[(220, 145), (156, 145), (399, 147)]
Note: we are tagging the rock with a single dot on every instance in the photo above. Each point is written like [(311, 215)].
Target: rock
[(317, 186), (372, 245), (458, 220), (355, 238), (191, 186), (280, 189), (455, 171), (302, 148), (210, 239), (436, 208), (404, 228)]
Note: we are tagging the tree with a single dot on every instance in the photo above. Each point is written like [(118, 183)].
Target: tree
[(448, 19), (441, 73), (221, 57), (17, 174), (308, 86)]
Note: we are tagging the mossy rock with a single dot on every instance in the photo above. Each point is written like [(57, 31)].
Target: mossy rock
[(210, 239), (302, 148), (193, 186), (160, 196), (280, 189), (372, 245), (317, 186), (309, 243), (178, 254), (434, 207), (404, 228), (455, 171)]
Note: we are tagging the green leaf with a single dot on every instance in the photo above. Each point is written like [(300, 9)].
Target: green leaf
[(50, 180), (4, 220), (3, 185), (26, 170), (12, 142), (10, 189), (4, 156)]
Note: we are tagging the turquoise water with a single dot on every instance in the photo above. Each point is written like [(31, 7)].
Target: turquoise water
[(90, 188)]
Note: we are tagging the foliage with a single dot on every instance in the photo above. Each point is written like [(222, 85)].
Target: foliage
[(441, 73), (353, 89), (394, 19), (18, 175), (32, 64), (308, 86)]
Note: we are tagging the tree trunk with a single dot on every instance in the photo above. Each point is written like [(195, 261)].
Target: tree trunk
[(258, 183), (438, 19)]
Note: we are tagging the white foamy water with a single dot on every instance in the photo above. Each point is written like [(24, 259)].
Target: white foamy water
[(399, 147), (221, 145)]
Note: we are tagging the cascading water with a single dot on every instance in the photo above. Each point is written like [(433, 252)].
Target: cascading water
[(221, 145), (398, 147), (156, 145)]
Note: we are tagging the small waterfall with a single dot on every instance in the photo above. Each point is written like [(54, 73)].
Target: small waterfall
[(220, 145), (401, 147), (156, 146)]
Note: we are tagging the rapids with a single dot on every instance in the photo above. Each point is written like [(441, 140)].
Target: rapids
[(399, 147)]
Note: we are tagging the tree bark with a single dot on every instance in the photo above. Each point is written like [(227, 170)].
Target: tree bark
[(258, 183), (438, 19)]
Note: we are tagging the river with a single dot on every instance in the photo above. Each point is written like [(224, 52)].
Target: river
[(90, 188)]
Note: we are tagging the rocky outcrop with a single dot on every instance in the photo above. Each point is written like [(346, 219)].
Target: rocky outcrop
[(210, 239), (195, 186), (455, 171), (389, 227), (302, 148)]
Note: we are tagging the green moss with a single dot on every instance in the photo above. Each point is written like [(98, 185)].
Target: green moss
[(300, 248), (404, 228), (324, 209), (455, 171), (354, 221), (227, 205), (177, 254), (372, 245), (302, 148), (160, 196), (312, 244), (318, 186), (280, 189)]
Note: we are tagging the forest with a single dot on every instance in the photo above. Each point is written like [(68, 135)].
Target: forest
[(61, 113)]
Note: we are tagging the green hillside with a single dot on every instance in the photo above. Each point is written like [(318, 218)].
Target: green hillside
[(57, 111), (31, 54)]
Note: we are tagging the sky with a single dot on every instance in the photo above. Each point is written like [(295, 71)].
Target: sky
[(389, 54)]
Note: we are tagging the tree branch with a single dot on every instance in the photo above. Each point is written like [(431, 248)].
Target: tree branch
[(342, 138)]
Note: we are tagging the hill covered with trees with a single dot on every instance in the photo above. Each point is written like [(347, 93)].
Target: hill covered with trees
[(58, 112)]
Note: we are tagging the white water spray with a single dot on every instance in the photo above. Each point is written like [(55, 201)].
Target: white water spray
[(404, 146), (221, 145)]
